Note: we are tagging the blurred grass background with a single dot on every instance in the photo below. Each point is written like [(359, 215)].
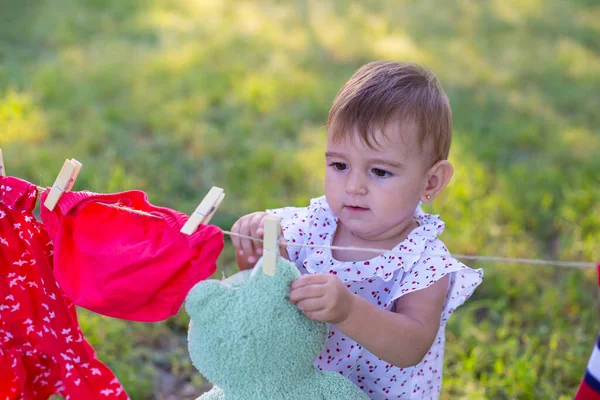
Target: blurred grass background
[(174, 96)]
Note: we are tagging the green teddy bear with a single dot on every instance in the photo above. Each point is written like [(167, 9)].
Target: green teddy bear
[(247, 338)]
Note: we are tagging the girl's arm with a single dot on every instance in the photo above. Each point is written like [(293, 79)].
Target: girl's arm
[(401, 338)]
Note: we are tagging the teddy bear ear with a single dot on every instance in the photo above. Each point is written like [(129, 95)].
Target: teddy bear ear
[(203, 294)]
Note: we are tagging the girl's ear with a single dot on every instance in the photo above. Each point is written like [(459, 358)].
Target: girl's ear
[(438, 177)]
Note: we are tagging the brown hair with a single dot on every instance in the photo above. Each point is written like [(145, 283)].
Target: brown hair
[(382, 90)]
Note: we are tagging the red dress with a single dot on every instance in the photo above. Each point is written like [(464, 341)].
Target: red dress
[(42, 349)]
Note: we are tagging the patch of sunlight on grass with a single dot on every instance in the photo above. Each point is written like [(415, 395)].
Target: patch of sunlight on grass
[(251, 19), (591, 18), (277, 25), (576, 61), (312, 141), (168, 21), (174, 17), (517, 11), (178, 59), (468, 58), (277, 81), (292, 40), (335, 32), (218, 22), (534, 104), (398, 46), (261, 90), (468, 12), (20, 119), (581, 142)]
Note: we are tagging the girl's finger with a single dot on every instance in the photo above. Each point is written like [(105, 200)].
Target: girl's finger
[(312, 279), (319, 315), (235, 240), (247, 245), (307, 292), (242, 262), (256, 230), (311, 305)]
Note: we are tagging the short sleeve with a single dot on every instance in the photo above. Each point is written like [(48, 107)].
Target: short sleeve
[(294, 224), (463, 283), (428, 270)]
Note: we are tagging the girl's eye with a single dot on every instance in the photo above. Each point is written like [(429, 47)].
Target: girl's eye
[(339, 166), (380, 173)]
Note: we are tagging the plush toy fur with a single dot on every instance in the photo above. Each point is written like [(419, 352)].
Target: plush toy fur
[(249, 340)]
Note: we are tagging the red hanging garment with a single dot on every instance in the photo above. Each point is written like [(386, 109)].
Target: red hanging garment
[(126, 265), (42, 349)]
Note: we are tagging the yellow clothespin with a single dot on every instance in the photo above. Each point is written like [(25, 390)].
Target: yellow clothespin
[(2, 171), (63, 183), (272, 228), (204, 211)]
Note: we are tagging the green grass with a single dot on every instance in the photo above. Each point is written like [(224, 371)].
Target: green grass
[(173, 97)]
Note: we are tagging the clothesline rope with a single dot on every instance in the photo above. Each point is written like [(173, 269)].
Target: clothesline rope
[(508, 260), (131, 210), (565, 264)]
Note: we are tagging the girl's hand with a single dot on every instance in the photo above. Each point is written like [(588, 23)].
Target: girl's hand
[(322, 297), (248, 251)]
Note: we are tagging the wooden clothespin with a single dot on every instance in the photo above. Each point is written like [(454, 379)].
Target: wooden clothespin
[(74, 175), (64, 182), (272, 228), (204, 211), (2, 170)]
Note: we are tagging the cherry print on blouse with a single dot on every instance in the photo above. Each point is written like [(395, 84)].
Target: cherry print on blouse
[(381, 281)]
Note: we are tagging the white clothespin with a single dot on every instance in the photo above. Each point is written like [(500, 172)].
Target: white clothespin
[(63, 183), (2, 171), (272, 228), (204, 211)]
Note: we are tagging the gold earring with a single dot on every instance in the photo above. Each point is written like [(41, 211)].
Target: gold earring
[(428, 197)]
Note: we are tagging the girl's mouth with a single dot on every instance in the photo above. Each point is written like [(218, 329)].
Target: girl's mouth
[(356, 208)]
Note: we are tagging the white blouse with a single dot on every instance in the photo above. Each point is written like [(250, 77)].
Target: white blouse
[(381, 280)]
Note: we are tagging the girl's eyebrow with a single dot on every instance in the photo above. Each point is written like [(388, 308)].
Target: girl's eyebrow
[(391, 163)]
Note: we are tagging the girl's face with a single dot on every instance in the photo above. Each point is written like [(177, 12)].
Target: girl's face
[(374, 191)]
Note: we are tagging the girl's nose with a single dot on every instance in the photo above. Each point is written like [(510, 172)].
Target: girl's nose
[(356, 184)]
